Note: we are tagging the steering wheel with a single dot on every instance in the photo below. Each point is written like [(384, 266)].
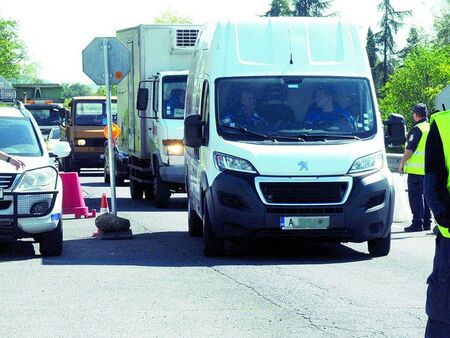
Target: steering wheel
[(339, 123)]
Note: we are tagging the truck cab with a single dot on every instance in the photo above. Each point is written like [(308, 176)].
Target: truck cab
[(83, 128)]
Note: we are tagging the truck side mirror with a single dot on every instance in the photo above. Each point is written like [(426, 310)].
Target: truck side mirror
[(193, 131), (142, 99), (395, 131)]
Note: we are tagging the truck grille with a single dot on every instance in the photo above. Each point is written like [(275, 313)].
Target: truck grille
[(304, 192), (6, 180)]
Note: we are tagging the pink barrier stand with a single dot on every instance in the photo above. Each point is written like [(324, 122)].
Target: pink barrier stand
[(73, 200)]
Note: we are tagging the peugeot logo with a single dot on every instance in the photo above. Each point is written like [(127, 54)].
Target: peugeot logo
[(303, 165)]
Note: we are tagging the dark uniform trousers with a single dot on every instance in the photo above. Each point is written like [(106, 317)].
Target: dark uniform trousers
[(419, 207), (438, 293)]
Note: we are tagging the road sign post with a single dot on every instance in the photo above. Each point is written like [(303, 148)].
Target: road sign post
[(115, 58)]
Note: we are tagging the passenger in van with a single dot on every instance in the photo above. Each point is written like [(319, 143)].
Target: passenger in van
[(244, 115), (325, 113)]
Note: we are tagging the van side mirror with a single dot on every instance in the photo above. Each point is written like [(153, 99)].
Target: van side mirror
[(142, 99), (193, 131), (395, 131)]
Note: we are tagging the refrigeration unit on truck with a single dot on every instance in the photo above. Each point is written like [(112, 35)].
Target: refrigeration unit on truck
[(308, 158), (151, 108)]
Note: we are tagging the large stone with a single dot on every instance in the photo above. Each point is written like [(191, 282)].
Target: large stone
[(108, 222)]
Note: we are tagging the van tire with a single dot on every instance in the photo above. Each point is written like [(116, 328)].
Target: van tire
[(379, 247), (212, 245), (136, 190), (161, 191), (51, 243), (195, 224)]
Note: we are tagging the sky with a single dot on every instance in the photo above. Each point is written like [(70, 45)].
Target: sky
[(56, 32)]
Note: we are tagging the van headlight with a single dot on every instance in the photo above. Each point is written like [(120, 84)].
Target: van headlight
[(367, 163), (41, 179), (228, 162)]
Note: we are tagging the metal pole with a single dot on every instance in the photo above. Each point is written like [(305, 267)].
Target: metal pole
[(112, 165)]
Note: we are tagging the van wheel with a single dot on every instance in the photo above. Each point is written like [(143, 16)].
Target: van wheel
[(161, 192), (51, 243), (212, 245), (195, 224), (379, 247), (136, 190)]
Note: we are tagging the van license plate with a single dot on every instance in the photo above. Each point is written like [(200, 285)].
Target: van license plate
[(300, 223)]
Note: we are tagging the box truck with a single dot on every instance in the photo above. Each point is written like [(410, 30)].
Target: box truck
[(283, 136), (151, 108)]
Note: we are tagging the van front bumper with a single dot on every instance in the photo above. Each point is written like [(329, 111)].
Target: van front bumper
[(237, 210)]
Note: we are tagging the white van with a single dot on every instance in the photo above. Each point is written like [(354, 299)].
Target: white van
[(283, 135)]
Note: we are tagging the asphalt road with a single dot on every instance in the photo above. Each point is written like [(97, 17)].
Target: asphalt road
[(160, 285)]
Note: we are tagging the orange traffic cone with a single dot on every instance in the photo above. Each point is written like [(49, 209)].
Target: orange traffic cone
[(103, 208), (104, 204)]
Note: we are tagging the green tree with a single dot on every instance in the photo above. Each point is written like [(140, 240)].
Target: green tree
[(101, 91), (390, 23), (425, 72), (12, 50), (310, 7), (442, 27), (374, 60), (279, 8), (170, 16), (76, 89), (416, 37), (29, 73)]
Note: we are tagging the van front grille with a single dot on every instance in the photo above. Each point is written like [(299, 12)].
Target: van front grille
[(6, 180)]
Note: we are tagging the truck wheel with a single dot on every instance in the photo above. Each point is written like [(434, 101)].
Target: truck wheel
[(106, 177), (149, 194), (195, 224), (161, 191), (379, 247), (120, 181), (136, 190), (212, 245), (51, 243)]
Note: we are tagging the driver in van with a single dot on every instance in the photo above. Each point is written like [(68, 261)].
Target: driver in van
[(245, 115), (325, 113)]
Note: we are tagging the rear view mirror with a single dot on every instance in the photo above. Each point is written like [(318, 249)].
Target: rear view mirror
[(395, 131), (193, 131), (142, 99), (61, 149)]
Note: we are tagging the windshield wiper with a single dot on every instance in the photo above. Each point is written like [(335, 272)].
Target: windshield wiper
[(335, 136), (274, 138), (244, 130)]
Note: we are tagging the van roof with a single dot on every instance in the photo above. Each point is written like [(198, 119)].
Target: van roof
[(285, 46)]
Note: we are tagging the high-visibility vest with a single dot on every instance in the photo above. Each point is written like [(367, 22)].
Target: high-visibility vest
[(416, 163), (442, 120)]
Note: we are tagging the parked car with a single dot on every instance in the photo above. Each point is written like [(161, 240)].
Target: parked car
[(30, 197), (121, 165)]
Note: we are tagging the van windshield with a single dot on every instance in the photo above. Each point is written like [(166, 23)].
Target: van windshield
[(93, 113), (293, 108), (18, 137)]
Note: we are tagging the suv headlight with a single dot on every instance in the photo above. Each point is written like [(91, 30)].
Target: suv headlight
[(367, 163), (41, 179), (228, 162)]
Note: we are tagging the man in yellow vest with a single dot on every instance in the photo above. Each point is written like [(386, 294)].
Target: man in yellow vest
[(413, 163), (437, 190)]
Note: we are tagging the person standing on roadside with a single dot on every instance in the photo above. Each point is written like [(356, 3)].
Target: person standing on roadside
[(437, 190), (12, 160), (413, 163)]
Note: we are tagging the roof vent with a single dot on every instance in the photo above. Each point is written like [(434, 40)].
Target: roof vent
[(185, 38)]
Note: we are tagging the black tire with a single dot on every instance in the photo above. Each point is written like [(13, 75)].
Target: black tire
[(195, 223), (51, 243), (212, 245), (161, 191), (120, 181), (106, 177), (136, 190), (149, 193), (66, 164), (379, 247)]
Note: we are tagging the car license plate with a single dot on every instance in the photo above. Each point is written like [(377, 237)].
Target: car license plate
[(300, 223), (1, 194)]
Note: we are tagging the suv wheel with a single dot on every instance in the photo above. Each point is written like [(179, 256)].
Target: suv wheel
[(379, 247), (51, 243)]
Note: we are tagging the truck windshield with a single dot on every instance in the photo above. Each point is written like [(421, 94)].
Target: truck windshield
[(174, 93), (46, 116), (18, 137), (310, 108), (93, 113)]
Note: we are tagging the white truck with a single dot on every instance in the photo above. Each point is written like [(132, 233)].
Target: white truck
[(442, 100), (151, 108), (283, 136)]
